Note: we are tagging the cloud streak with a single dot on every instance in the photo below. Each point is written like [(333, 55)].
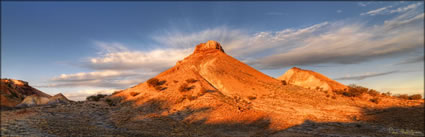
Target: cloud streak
[(349, 43), (412, 60), (365, 76), (391, 10)]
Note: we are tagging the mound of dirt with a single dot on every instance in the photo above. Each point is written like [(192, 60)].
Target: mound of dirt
[(311, 80), (14, 91)]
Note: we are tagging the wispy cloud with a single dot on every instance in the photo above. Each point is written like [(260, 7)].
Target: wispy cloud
[(338, 11), (411, 60), (377, 11), (350, 43), (390, 9), (106, 78), (365, 76), (406, 8), (363, 4)]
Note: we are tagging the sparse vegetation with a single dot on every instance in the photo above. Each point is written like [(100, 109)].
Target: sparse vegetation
[(356, 91), (153, 82), (375, 100), (157, 84), (184, 87), (402, 96), (134, 93), (386, 94), (13, 95), (415, 97), (252, 97), (284, 82), (95, 97), (373, 92), (113, 101), (191, 80), (175, 81)]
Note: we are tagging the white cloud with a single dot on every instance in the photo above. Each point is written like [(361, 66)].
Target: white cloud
[(377, 11), (124, 59), (338, 11), (87, 76), (403, 9)]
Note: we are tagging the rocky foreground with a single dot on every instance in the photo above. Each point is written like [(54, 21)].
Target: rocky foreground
[(100, 119)]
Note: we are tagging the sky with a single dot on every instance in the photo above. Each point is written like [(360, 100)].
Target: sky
[(84, 48)]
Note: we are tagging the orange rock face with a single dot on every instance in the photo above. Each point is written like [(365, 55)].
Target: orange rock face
[(311, 80)]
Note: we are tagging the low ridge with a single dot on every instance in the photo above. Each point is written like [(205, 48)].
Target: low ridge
[(310, 79)]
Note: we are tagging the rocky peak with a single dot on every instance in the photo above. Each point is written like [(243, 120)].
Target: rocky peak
[(209, 45)]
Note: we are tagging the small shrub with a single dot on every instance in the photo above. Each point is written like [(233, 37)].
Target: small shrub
[(13, 95), (134, 94), (153, 82), (113, 101), (95, 97), (355, 91), (373, 92), (284, 82), (159, 88), (175, 81), (252, 97), (184, 87), (387, 93), (403, 96), (333, 97), (191, 80), (415, 97), (375, 100)]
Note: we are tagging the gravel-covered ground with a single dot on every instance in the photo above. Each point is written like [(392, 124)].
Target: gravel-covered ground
[(94, 119)]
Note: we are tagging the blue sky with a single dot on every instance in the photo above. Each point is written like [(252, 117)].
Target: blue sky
[(82, 48)]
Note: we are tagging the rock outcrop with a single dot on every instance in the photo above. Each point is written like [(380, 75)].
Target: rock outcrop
[(209, 45), (212, 89), (311, 80), (35, 100), (13, 92)]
